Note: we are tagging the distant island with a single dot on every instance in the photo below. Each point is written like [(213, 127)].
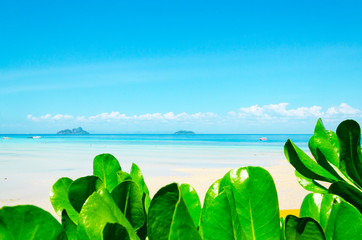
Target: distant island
[(74, 131), (182, 132)]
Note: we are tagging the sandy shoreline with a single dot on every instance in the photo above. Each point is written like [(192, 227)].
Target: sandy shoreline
[(290, 194)]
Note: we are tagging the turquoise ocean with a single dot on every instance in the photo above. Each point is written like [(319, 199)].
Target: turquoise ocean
[(29, 166)]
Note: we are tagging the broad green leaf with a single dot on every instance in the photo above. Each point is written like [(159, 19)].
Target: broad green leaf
[(282, 228), (137, 177), (60, 200), (168, 216), (348, 193), (99, 210), (220, 220), (106, 166), (326, 141), (81, 189), (326, 147), (302, 229), (114, 231), (309, 184), (349, 133), (28, 222), (256, 201), (192, 201), (210, 195), (333, 138), (128, 197), (338, 219), (123, 176), (69, 226), (305, 165)]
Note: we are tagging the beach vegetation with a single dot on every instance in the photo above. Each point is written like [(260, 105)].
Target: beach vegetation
[(243, 204), (337, 162)]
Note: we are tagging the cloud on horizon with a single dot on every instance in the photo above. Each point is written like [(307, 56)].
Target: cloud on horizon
[(271, 112)]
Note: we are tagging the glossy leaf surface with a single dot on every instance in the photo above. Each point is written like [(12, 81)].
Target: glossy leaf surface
[(114, 231), (348, 193), (128, 197), (302, 229), (220, 220), (30, 223), (69, 226), (327, 142), (81, 189), (168, 216), (60, 200), (99, 210), (349, 133), (250, 187), (192, 201), (106, 166), (137, 177), (334, 215), (309, 184), (305, 165)]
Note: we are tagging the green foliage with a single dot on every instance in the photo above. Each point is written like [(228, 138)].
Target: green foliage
[(169, 217), (128, 198), (240, 210), (106, 166), (334, 215), (99, 210), (338, 160), (302, 229), (60, 200), (29, 222)]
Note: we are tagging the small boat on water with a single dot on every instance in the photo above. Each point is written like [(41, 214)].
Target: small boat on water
[(263, 139), (6, 138), (35, 137)]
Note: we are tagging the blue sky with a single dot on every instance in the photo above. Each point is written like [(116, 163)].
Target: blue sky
[(162, 66)]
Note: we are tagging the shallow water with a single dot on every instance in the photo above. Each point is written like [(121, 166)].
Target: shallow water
[(28, 167)]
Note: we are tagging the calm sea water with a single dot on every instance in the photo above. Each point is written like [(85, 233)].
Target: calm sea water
[(248, 140), (28, 166)]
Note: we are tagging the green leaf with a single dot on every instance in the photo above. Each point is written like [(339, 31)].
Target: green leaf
[(28, 222), (348, 193), (60, 200), (123, 176), (81, 189), (338, 219), (210, 195), (327, 142), (349, 133), (127, 195), (251, 186), (168, 216), (309, 184), (114, 231), (106, 166), (282, 228), (99, 210), (305, 165), (192, 201), (220, 220), (302, 229), (69, 226), (137, 177)]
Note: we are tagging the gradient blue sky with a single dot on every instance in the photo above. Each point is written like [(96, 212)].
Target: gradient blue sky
[(162, 66)]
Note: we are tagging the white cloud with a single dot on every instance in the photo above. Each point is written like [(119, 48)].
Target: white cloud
[(48, 116), (271, 112), (278, 111), (344, 109)]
